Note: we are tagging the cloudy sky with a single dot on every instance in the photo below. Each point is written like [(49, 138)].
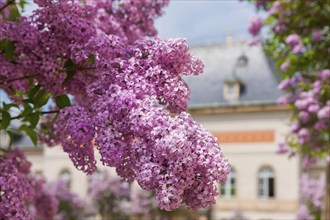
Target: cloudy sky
[(205, 21)]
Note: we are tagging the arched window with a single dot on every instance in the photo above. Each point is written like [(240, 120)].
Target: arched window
[(228, 189), (65, 176), (266, 183)]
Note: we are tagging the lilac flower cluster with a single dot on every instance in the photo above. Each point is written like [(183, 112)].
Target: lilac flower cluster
[(142, 204), (44, 204), (22, 196), (75, 122), (15, 189), (295, 43), (128, 92), (311, 197), (109, 195), (312, 115), (254, 29), (70, 205), (255, 25)]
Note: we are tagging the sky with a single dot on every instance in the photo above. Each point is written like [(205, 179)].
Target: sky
[(205, 21)]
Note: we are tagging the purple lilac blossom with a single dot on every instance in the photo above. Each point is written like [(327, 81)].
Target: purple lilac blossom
[(285, 66), (316, 35), (255, 25)]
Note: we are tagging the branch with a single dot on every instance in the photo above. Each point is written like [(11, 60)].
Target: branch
[(43, 113), (6, 5), (19, 78), (4, 150)]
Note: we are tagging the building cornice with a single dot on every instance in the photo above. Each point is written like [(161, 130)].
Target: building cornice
[(207, 110)]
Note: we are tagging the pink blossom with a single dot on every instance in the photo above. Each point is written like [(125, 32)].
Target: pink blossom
[(316, 35), (285, 66), (282, 148), (293, 40), (255, 25), (325, 74), (324, 113)]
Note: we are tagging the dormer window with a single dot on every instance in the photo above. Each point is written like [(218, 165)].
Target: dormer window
[(233, 89)]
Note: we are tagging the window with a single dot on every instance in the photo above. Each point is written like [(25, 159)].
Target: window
[(266, 183), (231, 88), (65, 176), (228, 190)]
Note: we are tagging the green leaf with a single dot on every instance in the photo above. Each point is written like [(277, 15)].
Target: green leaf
[(22, 4), (62, 101), (33, 91), (41, 98), (30, 132), (14, 14), (91, 58), (70, 68), (33, 119), (5, 119), (6, 106), (11, 138), (27, 110), (8, 48)]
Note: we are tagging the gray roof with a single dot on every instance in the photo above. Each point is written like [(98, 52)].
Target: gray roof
[(220, 65)]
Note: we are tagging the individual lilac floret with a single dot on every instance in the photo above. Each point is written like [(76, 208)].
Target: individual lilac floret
[(255, 25)]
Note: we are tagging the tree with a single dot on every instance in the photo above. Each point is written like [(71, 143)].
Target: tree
[(299, 41), (117, 89)]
